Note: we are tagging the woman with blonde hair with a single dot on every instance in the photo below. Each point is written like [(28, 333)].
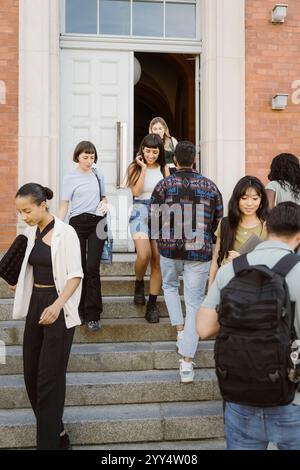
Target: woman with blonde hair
[(159, 126)]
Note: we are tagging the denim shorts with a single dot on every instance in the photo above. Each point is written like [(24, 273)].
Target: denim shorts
[(139, 220)]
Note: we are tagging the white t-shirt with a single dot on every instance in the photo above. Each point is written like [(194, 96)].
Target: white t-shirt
[(282, 194)]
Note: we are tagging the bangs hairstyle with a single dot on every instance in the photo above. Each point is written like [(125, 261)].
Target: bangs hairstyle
[(84, 147), (151, 141), (230, 225)]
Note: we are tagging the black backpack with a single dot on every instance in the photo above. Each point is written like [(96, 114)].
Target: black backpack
[(253, 347)]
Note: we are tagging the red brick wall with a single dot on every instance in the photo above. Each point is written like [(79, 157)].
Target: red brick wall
[(272, 65), (9, 48)]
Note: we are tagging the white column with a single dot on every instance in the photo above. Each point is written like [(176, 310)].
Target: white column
[(39, 93), (223, 92)]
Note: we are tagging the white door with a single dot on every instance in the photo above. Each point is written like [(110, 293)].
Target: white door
[(197, 112), (97, 105)]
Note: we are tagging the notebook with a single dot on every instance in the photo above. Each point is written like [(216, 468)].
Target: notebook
[(250, 244)]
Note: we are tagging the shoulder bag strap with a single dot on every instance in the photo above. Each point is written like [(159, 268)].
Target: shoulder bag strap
[(94, 170)]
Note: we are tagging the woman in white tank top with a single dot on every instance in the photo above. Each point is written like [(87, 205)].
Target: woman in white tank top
[(147, 169)]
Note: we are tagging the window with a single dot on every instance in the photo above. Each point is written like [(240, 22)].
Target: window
[(174, 19), (81, 19), (147, 18), (114, 17), (180, 20)]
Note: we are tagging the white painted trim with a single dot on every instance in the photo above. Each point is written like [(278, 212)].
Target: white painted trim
[(39, 93), (223, 92), (128, 44)]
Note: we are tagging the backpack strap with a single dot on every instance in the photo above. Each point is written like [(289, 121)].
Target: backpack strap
[(240, 264), (286, 263), (283, 267)]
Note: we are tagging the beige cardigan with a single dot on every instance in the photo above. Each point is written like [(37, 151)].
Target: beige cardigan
[(66, 263)]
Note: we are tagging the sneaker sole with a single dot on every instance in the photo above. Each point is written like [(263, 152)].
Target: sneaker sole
[(186, 381)]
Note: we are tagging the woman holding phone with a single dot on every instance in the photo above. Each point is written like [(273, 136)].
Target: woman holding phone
[(146, 170)]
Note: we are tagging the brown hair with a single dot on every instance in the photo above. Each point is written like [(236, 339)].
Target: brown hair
[(84, 147), (134, 170)]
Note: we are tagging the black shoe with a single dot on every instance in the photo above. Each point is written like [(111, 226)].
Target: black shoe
[(152, 313), (139, 293), (64, 442)]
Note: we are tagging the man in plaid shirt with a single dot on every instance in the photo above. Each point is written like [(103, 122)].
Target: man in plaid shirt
[(186, 208)]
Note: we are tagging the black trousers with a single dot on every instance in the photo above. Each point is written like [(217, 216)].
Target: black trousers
[(90, 306), (46, 351)]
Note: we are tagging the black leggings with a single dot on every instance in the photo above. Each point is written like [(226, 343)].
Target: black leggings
[(46, 351), (91, 246)]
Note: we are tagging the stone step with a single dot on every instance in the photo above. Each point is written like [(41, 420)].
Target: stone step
[(110, 286), (203, 444), (109, 357), (124, 285), (114, 388), (113, 307), (123, 265), (113, 330), (5, 292), (121, 423)]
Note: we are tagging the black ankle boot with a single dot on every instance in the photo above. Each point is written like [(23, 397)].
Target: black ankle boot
[(64, 442), (152, 313), (139, 293)]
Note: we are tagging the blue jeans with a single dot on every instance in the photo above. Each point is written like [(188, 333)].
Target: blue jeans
[(194, 279), (252, 428)]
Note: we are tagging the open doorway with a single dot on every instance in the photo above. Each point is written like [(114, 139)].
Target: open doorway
[(166, 88)]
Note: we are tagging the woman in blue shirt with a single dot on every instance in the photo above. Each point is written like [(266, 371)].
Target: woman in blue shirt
[(83, 192)]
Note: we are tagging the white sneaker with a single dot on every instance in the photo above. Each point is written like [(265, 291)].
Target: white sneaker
[(179, 338), (186, 371)]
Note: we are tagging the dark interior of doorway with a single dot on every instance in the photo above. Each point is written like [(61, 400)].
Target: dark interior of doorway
[(166, 88)]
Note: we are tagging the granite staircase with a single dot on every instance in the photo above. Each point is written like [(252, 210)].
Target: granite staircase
[(123, 387)]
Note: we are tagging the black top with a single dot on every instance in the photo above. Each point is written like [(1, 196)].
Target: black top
[(40, 258)]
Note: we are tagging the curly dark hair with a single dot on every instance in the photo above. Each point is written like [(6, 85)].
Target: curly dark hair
[(285, 168), (230, 224)]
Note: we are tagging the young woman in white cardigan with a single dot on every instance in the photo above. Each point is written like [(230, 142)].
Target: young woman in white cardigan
[(48, 295)]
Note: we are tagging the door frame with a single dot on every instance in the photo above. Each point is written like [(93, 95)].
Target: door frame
[(115, 150), (223, 108)]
